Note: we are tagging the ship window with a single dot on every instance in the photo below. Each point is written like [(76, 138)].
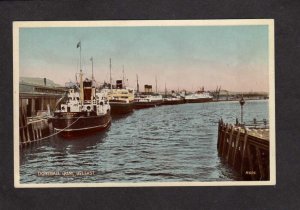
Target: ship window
[(101, 103), (88, 107)]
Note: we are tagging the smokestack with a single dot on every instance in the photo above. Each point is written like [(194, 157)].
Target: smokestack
[(45, 81)]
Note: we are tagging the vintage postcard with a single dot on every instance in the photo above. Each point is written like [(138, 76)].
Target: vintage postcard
[(144, 103)]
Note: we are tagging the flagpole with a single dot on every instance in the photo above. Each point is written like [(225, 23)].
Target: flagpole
[(110, 73), (123, 77), (80, 55), (92, 59), (81, 80)]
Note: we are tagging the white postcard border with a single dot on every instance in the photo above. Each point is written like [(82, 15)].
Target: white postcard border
[(138, 23)]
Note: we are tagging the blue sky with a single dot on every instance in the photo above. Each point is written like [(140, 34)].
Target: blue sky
[(235, 57)]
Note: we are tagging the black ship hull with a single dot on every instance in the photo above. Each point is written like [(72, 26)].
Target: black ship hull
[(172, 102), (118, 108), (144, 105), (74, 124), (198, 100)]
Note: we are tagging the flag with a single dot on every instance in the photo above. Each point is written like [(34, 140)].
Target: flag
[(79, 44)]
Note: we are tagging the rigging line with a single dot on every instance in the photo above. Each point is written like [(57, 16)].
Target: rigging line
[(55, 133)]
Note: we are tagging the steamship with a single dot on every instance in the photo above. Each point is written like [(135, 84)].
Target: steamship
[(82, 110), (147, 99), (173, 98), (199, 97), (120, 98)]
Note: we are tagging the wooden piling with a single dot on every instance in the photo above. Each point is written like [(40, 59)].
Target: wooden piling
[(245, 150), (236, 147), (260, 164), (251, 164), (32, 132), (224, 140), (229, 143)]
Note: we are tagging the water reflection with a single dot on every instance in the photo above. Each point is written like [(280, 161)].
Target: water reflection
[(77, 145), (117, 117)]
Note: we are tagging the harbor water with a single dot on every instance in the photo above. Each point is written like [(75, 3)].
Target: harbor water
[(162, 144)]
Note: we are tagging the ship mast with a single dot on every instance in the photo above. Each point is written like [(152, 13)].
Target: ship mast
[(110, 73), (80, 74), (92, 68), (165, 90), (137, 84), (123, 80), (155, 83)]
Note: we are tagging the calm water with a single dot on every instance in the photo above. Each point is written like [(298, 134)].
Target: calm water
[(167, 143)]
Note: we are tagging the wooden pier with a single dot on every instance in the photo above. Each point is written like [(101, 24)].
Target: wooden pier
[(32, 130), (37, 99), (246, 150)]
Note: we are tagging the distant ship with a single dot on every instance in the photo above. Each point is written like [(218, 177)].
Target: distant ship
[(173, 98), (199, 97), (173, 101), (82, 110), (147, 98), (145, 101), (120, 97)]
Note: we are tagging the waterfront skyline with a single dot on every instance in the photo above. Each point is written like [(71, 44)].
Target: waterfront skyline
[(182, 57)]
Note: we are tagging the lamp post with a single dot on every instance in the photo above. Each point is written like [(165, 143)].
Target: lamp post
[(242, 102)]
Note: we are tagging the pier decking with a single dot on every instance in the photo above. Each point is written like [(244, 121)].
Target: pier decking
[(245, 149)]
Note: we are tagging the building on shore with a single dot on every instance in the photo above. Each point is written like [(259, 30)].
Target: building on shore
[(35, 98), (36, 102)]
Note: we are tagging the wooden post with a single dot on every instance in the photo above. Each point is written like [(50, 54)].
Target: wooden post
[(225, 140), (229, 143), (33, 107), (40, 129), (250, 161), (28, 134), (236, 147), (244, 151), (24, 125), (260, 165), (33, 131), (224, 127), (219, 135)]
